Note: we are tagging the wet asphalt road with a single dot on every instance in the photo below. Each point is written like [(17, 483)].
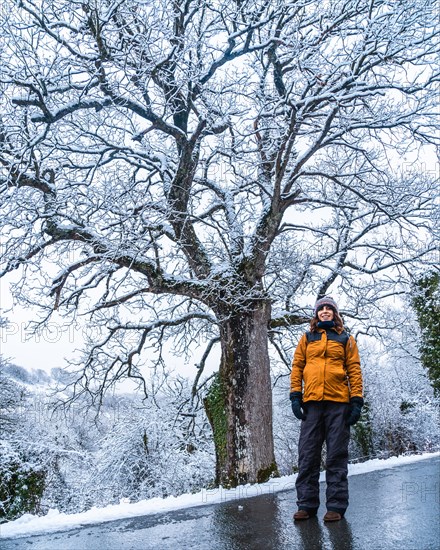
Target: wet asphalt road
[(398, 508)]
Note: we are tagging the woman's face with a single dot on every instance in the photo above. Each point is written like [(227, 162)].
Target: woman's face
[(326, 314)]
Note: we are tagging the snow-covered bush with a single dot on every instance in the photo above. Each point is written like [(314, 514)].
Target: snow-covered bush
[(22, 476), (146, 453), (22, 482), (286, 429), (71, 459)]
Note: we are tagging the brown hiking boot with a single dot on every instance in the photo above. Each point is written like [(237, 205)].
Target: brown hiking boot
[(302, 514), (332, 516)]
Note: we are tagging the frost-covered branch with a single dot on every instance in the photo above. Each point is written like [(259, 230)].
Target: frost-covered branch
[(162, 160)]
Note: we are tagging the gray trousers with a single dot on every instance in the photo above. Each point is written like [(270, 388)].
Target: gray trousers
[(325, 421)]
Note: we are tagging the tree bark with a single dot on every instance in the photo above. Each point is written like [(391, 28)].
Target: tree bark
[(239, 403)]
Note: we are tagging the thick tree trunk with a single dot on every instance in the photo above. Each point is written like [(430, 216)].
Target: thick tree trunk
[(239, 403)]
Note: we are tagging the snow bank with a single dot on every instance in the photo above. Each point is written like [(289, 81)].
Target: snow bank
[(56, 521)]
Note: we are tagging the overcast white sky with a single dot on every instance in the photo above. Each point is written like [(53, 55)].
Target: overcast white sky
[(45, 350)]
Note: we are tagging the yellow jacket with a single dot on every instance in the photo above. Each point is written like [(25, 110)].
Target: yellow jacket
[(326, 370)]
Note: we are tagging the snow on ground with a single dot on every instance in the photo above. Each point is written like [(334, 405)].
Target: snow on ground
[(55, 521)]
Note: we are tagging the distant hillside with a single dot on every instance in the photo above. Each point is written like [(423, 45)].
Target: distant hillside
[(33, 377)]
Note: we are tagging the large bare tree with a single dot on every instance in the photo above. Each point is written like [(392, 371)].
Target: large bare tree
[(203, 171)]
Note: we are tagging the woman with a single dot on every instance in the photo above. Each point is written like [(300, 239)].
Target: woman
[(326, 394)]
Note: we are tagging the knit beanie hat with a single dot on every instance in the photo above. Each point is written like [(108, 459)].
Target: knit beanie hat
[(325, 301)]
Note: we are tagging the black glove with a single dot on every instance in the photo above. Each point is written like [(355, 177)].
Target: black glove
[(354, 412), (296, 401)]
